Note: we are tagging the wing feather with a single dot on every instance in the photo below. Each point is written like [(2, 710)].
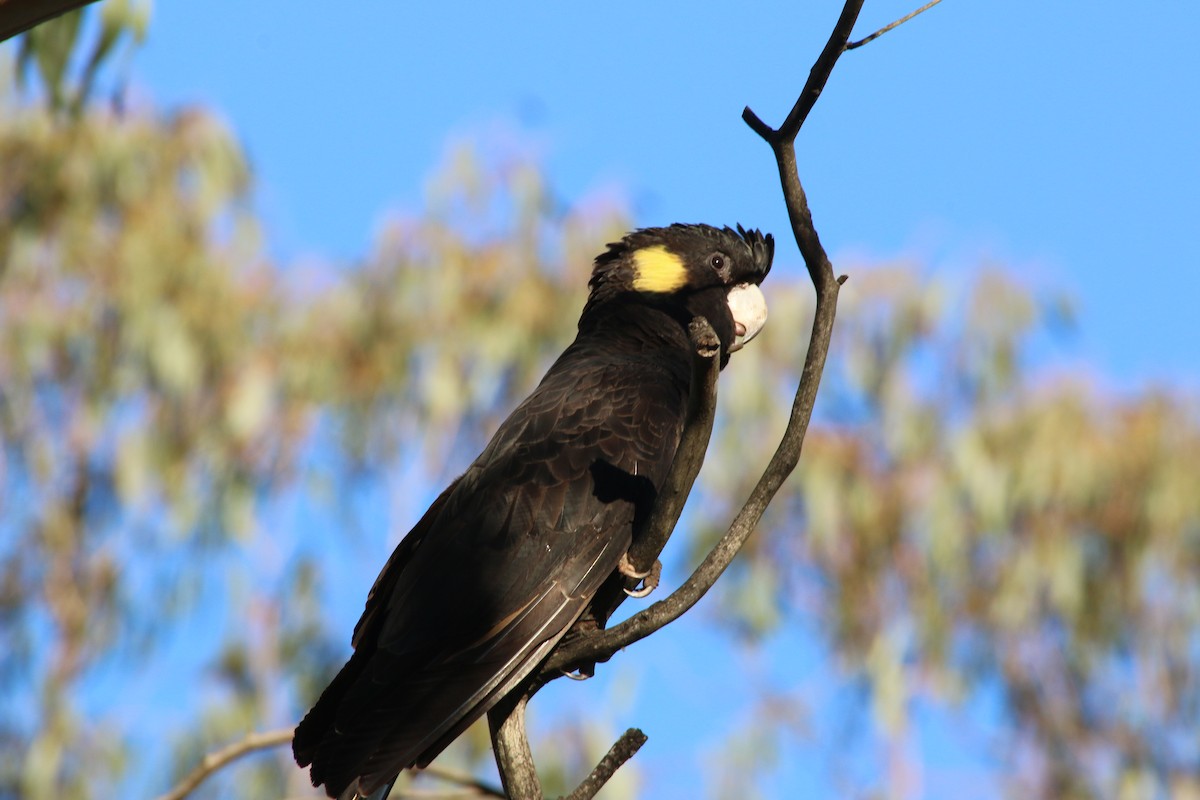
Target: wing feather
[(502, 564)]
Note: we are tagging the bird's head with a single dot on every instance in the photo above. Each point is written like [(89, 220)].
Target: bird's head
[(696, 270)]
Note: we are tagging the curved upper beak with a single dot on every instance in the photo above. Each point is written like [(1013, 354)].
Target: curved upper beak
[(749, 310)]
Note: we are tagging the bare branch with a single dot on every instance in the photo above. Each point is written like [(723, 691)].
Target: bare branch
[(219, 758), (896, 24), (817, 76), (783, 144), (622, 750), (600, 645)]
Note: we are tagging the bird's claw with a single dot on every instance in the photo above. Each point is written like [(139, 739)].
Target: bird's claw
[(647, 588), (649, 578)]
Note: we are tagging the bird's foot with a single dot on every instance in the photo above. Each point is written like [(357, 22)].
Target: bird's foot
[(649, 578)]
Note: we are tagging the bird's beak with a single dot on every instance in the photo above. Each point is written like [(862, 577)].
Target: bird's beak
[(749, 310)]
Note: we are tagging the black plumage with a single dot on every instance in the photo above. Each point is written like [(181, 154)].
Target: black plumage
[(511, 553)]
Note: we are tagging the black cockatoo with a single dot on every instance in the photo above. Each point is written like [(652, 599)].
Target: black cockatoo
[(510, 554)]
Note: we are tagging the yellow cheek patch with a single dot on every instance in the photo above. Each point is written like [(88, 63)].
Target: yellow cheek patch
[(658, 270)]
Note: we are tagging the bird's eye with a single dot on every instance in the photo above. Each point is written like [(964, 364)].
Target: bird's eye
[(717, 262)]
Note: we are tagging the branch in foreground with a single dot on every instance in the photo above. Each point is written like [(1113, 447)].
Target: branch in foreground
[(510, 745), (602, 644)]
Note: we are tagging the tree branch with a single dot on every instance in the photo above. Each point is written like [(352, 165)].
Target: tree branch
[(510, 745), (817, 76), (896, 24), (600, 645), (219, 758), (621, 751)]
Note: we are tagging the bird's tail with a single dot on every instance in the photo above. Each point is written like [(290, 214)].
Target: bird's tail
[(310, 742)]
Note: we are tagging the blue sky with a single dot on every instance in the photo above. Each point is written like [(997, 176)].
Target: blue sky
[(1062, 140)]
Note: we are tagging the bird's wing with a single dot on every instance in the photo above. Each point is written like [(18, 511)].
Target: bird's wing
[(499, 567)]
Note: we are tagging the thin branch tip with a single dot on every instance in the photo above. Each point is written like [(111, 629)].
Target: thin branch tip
[(890, 26), (842, 279)]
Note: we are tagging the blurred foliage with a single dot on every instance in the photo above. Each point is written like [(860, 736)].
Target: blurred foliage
[(958, 525), (961, 525), (66, 56)]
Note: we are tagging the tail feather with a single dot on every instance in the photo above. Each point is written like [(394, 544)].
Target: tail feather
[(320, 720), (317, 743)]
